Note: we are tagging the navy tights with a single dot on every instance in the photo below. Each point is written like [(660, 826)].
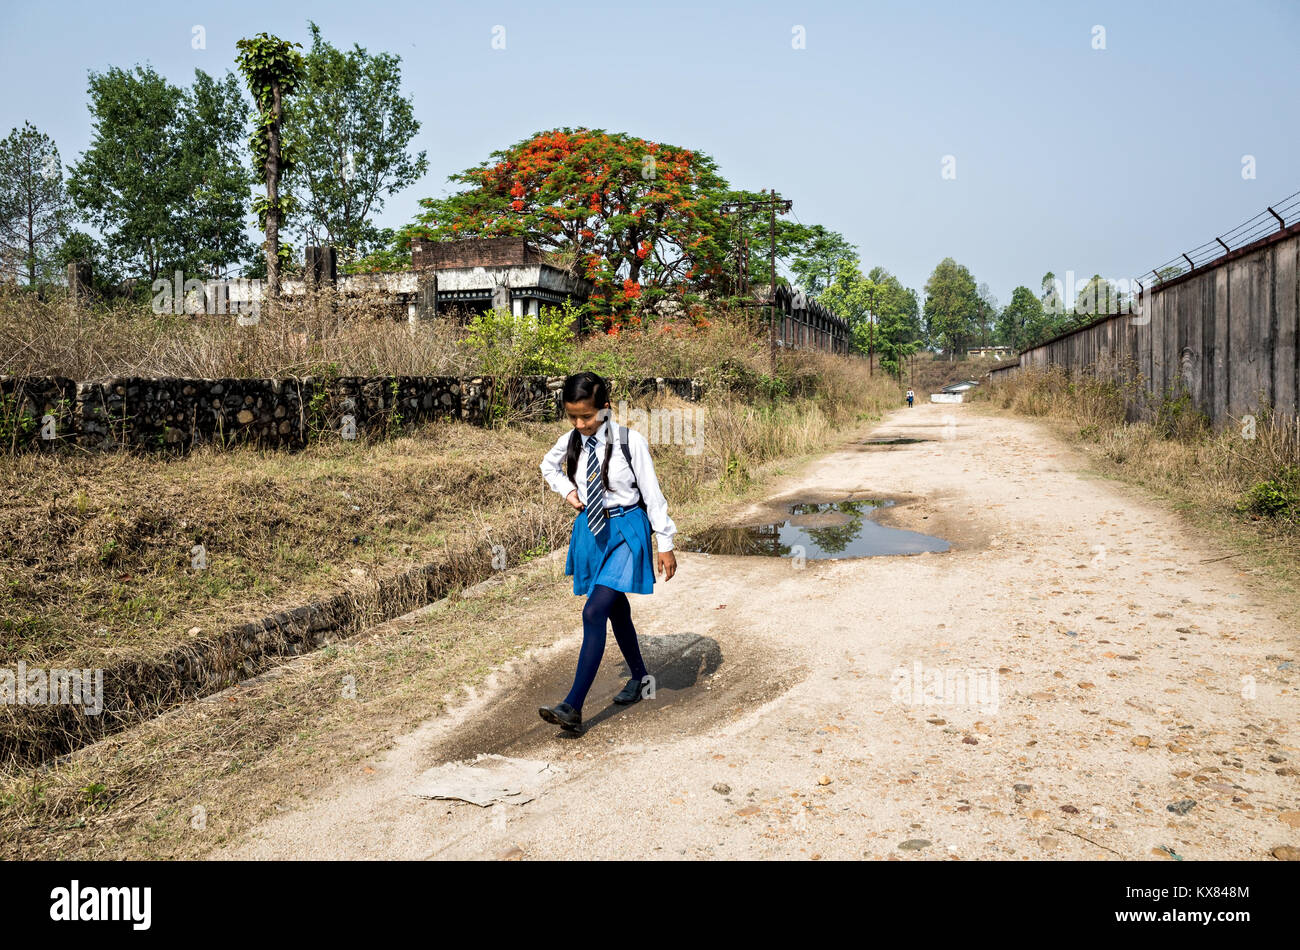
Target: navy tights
[(605, 605)]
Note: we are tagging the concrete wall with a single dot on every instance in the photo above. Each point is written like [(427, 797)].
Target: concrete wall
[(1225, 334), (44, 412), (477, 252)]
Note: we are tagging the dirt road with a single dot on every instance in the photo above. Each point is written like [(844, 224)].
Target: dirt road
[(1076, 664)]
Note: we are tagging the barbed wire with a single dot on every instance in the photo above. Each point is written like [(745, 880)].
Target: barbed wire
[(1276, 217)]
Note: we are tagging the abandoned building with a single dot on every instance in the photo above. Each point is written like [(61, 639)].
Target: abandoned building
[(491, 273)]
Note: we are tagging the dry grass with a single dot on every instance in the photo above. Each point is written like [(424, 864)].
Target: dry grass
[(186, 782), (1242, 479), (359, 337), (365, 336), (99, 572)]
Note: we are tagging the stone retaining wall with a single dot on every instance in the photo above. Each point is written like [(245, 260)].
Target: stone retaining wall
[(40, 413)]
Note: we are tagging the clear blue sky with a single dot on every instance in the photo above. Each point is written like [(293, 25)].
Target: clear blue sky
[(1067, 157)]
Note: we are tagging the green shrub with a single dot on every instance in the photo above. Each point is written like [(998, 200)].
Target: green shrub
[(1275, 497), (16, 426), (614, 365), (509, 345), (1177, 418), (771, 387), (729, 374)]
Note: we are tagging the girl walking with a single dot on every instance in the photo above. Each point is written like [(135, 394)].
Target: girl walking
[(618, 498)]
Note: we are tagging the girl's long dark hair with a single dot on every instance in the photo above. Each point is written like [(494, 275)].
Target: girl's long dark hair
[(579, 388)]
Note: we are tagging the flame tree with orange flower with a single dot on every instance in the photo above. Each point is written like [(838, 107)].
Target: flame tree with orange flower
[(638, 218)]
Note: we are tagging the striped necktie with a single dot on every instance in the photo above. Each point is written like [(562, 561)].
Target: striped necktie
[(596, 519)]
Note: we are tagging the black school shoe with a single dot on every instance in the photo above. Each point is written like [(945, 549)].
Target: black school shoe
[(563, 715), (630, 693)]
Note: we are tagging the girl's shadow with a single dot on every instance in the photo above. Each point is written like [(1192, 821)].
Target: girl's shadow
[(679, 663)]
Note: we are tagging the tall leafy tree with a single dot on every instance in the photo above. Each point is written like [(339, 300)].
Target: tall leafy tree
[(213, 233), (986, 313), (273, 68), (349, 128), (1020, 320), (1096, 297), (34, 208), (1048, 286), (952, 306), (900, 303), (128, 183), (882, 314), (638, 218), (818, 260), (851, 296), (897, 318), (161, 180)]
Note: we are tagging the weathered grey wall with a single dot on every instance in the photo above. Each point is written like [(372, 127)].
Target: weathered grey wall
[(44, 412), (1225, 334)]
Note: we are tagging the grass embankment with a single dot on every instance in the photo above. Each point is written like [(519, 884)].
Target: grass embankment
[(932, 373), (1241, 481), (57, 337), (98, 568)]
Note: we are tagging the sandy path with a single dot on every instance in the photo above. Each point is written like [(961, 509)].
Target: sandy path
[(1114, 652)]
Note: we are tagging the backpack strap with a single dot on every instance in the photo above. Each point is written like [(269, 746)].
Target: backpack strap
[(623, 437)]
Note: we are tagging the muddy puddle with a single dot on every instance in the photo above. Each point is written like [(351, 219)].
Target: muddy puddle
[(696, 689), (817, 531)]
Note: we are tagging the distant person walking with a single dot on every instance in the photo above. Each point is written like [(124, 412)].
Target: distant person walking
[(910, 397), (609, 546)]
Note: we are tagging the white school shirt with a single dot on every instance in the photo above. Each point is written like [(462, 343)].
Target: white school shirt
[(620, 491)]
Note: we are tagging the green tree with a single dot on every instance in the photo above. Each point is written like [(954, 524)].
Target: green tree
[(851, 297), (128, 183), (952, 306), (817, 257), (161, 180), (1098, 296), (882, 314), (272, 67), (213, 127), (986, 313), (897, 318), (1048, 289), (34, 208), (900, 303), (349, 128), (1020, 320)]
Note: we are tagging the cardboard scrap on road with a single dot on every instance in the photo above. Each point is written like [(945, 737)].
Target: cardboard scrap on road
[(486, 780)]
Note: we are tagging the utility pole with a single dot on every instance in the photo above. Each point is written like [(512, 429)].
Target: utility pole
[(773, 204), (771, 313), (871, 337), (742, 252)]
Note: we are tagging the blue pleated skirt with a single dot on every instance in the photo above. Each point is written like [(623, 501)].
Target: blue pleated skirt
[(625, 563)]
